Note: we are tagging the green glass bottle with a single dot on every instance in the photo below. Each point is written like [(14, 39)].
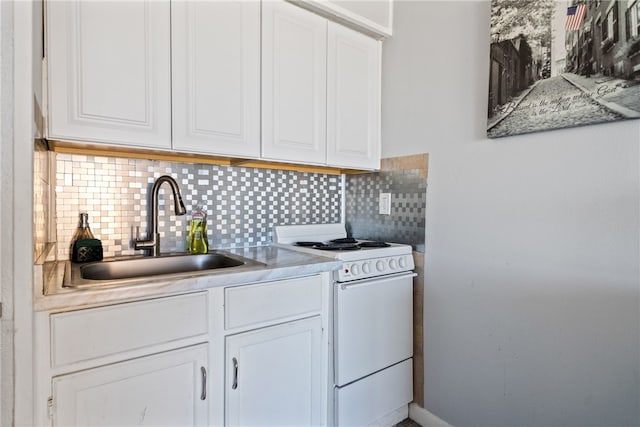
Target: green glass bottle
[(197, 240), (82, 232)]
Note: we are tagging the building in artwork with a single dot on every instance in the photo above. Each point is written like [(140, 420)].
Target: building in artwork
[(608, 40), (512, 69)]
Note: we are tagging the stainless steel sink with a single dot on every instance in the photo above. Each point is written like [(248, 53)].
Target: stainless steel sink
[(137, 268)]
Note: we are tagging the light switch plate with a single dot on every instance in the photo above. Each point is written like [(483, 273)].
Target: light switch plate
[(385, 204)]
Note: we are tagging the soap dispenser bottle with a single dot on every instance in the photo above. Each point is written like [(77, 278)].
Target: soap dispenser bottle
[(197, 239)]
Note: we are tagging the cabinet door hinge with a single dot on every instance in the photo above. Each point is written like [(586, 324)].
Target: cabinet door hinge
[(0, 310), (50, 407)]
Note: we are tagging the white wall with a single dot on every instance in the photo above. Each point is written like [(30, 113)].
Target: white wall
[(5, 388), (6, 141), (27, 45), (532, 299)]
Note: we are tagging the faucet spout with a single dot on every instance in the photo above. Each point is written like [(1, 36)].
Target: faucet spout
[(152, 243)]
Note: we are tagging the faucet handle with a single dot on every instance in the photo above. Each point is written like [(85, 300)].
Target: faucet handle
[(137, 239), (139, 243)]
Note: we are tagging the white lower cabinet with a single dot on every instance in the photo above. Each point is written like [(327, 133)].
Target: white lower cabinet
[(254, 354), (169, 388), (273, 375), (136, 363)]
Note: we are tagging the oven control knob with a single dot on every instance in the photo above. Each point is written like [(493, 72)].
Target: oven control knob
[(402, 262), (365, 268), (380, 266), (355, 270), (393, 264)]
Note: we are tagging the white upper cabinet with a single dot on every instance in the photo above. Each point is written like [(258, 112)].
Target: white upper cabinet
[(294, 49), (249, 79), (109, 72), (353, 99), (320, 90), (216, 77)]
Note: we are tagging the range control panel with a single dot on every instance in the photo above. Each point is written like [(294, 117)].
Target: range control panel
[(362, 269)]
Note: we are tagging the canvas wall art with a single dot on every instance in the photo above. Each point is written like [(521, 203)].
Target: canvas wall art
[(557, 64)]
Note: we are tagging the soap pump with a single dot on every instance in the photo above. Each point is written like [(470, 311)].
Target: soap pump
[(197, 239)]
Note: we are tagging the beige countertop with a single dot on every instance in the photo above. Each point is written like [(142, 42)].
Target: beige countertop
[(271, 263)]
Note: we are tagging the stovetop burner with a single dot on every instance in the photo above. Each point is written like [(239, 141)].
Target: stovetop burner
[(337, 247), (373, 244), (308, 244), (344, 240), (343, 244)]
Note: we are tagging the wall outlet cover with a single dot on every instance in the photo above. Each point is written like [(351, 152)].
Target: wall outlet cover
[(385, 204)]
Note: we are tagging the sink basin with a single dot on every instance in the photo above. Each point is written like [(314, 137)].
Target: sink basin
[(130, 270), (151, 266)]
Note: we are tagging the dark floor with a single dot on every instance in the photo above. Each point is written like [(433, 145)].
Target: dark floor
[(407, 423)]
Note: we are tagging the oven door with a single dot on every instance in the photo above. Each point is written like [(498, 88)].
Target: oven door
[(373, 326)]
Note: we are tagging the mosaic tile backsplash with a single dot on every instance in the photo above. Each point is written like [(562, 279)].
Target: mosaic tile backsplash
[(242, 204), (406, 179)]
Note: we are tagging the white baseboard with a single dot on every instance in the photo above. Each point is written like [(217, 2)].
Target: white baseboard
[(425, 418)]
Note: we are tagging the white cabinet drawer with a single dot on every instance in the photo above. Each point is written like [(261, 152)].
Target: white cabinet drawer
[(268, 302), (363, 402), (84, 335)]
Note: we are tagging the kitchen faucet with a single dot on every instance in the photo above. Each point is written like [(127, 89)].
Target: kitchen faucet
[(152, 244)]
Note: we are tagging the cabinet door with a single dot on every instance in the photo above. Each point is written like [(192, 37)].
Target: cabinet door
[(273, 375), (353, 99), (109, 72), (163, 389), (216, 77), (294, 45)]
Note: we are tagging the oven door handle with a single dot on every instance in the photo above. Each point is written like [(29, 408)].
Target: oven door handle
[(375, 280)]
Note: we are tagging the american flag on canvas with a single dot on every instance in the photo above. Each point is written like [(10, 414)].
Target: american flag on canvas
[(575, 15)]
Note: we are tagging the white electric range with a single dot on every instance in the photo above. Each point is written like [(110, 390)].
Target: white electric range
[(372, 343)]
